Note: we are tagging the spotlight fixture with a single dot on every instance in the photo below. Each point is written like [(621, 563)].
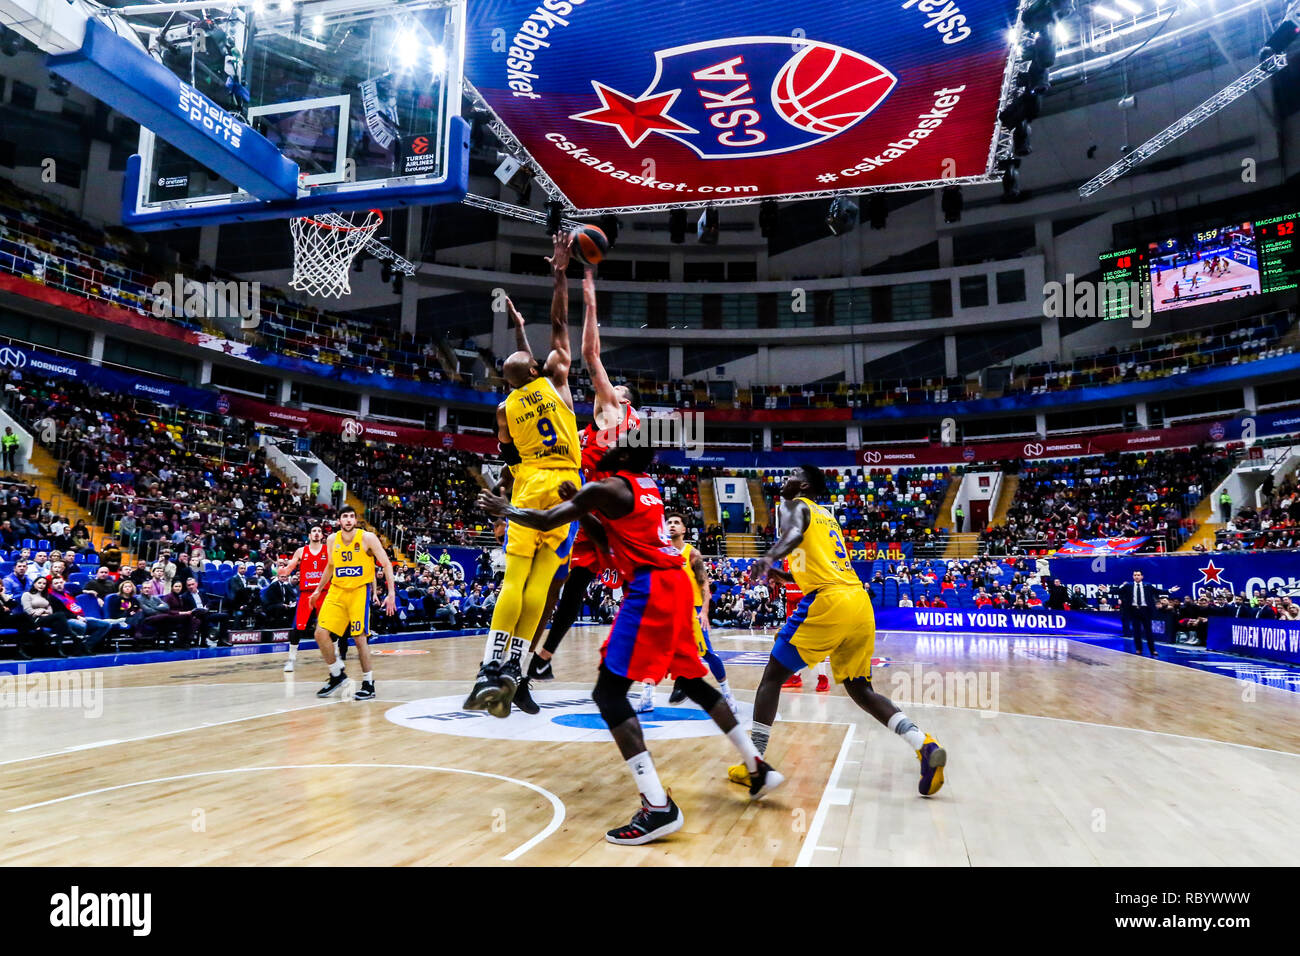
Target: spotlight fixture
[(1011, 181), (706, 229), (767, 218), (554, 213), (951, 203), (842, 215), (877, 210), (1020, 138), (609, 224), (677, 226)]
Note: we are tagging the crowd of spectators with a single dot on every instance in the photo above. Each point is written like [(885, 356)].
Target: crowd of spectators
[(1231, 343), (1273, 525), (1148, 493)]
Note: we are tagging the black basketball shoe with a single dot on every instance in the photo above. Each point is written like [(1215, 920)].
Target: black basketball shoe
[(764, 780), (487, 687), (539, 669), (679, 693), (367, 691), (524, 700), (510, 681), (648, 823), (334, 683)]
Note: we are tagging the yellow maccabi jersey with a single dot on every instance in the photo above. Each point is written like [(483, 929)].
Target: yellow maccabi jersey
[(687, 551), (353, 565), (821, 560), (543, 428)]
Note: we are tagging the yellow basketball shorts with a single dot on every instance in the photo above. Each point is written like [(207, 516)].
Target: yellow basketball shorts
[(540, 488), (347, 611), (835, 622)]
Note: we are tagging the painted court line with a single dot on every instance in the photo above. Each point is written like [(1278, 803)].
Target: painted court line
[(557, 806), (833, 795), (164, 733)]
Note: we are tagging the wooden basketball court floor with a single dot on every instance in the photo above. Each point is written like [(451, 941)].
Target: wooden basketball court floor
[(1061, 753)]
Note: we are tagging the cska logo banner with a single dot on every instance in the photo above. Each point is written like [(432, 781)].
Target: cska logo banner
[(689, 103)]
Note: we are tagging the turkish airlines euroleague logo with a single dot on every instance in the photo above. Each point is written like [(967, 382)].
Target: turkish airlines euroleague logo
[(747, 96)]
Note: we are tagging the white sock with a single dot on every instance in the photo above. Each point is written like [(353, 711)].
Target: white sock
[(726, 691), (368, 675), (822, 669), (336, 668), (517, 647), (902, 725), (647, 690), (495, 648), (748, 752), (293, 652), (647, 780)]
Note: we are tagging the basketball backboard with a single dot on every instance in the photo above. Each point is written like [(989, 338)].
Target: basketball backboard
[(363, 95)]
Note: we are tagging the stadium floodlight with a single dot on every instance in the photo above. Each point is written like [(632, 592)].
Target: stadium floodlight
[(1106, 12), (1129, 5), (952, 204), (677, 226), (437, 61)]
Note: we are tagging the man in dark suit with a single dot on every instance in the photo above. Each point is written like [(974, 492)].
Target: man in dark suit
[(1057, 596), (279, 601), (205, 613), (1138, 601)]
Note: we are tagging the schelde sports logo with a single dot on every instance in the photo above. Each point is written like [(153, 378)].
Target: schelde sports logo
[(747, 96), (565, 717)]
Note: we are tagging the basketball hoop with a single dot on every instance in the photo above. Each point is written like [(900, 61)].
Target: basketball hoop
[(323, 250)]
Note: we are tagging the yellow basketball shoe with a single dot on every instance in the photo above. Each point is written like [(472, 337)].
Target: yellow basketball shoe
[(932, 757), (738, 774)]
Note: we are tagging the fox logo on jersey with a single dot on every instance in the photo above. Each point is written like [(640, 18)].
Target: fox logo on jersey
[(747, 96)]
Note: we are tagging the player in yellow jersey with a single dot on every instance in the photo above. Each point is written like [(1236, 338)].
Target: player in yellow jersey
[(693, 561), (347, 585), (834, 618), (538, 432)]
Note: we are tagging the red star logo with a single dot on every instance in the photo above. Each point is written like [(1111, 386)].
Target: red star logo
[(1211, 573), (634, 118)]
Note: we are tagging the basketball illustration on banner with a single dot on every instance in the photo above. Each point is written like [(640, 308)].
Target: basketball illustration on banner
[(826, 90)]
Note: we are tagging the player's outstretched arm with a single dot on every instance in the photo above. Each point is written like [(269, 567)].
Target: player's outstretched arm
[(371, 541), (517, 320), (612, 497), (605, 397), (292, 564), (561, 357), (794, 518)]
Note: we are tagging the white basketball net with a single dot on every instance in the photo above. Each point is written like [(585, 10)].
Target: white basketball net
[(323, 250)]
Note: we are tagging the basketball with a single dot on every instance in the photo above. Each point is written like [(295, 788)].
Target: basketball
[(589, 244), (825, 90)]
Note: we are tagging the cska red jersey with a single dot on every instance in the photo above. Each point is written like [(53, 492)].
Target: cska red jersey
[(640, 538), (596, 441), (311, 567)]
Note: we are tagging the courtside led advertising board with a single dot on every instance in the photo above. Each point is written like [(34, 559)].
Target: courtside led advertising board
[(625, 105)]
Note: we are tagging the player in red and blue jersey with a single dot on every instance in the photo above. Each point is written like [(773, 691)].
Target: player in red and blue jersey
[(653, 633)]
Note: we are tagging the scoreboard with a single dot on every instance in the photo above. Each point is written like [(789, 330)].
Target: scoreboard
[(1123, 272), (1278, 242), (1270, 245)]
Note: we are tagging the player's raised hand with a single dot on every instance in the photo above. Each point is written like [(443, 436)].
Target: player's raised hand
[(566, 490), (515, 317), (495, 505), (560, 255)]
